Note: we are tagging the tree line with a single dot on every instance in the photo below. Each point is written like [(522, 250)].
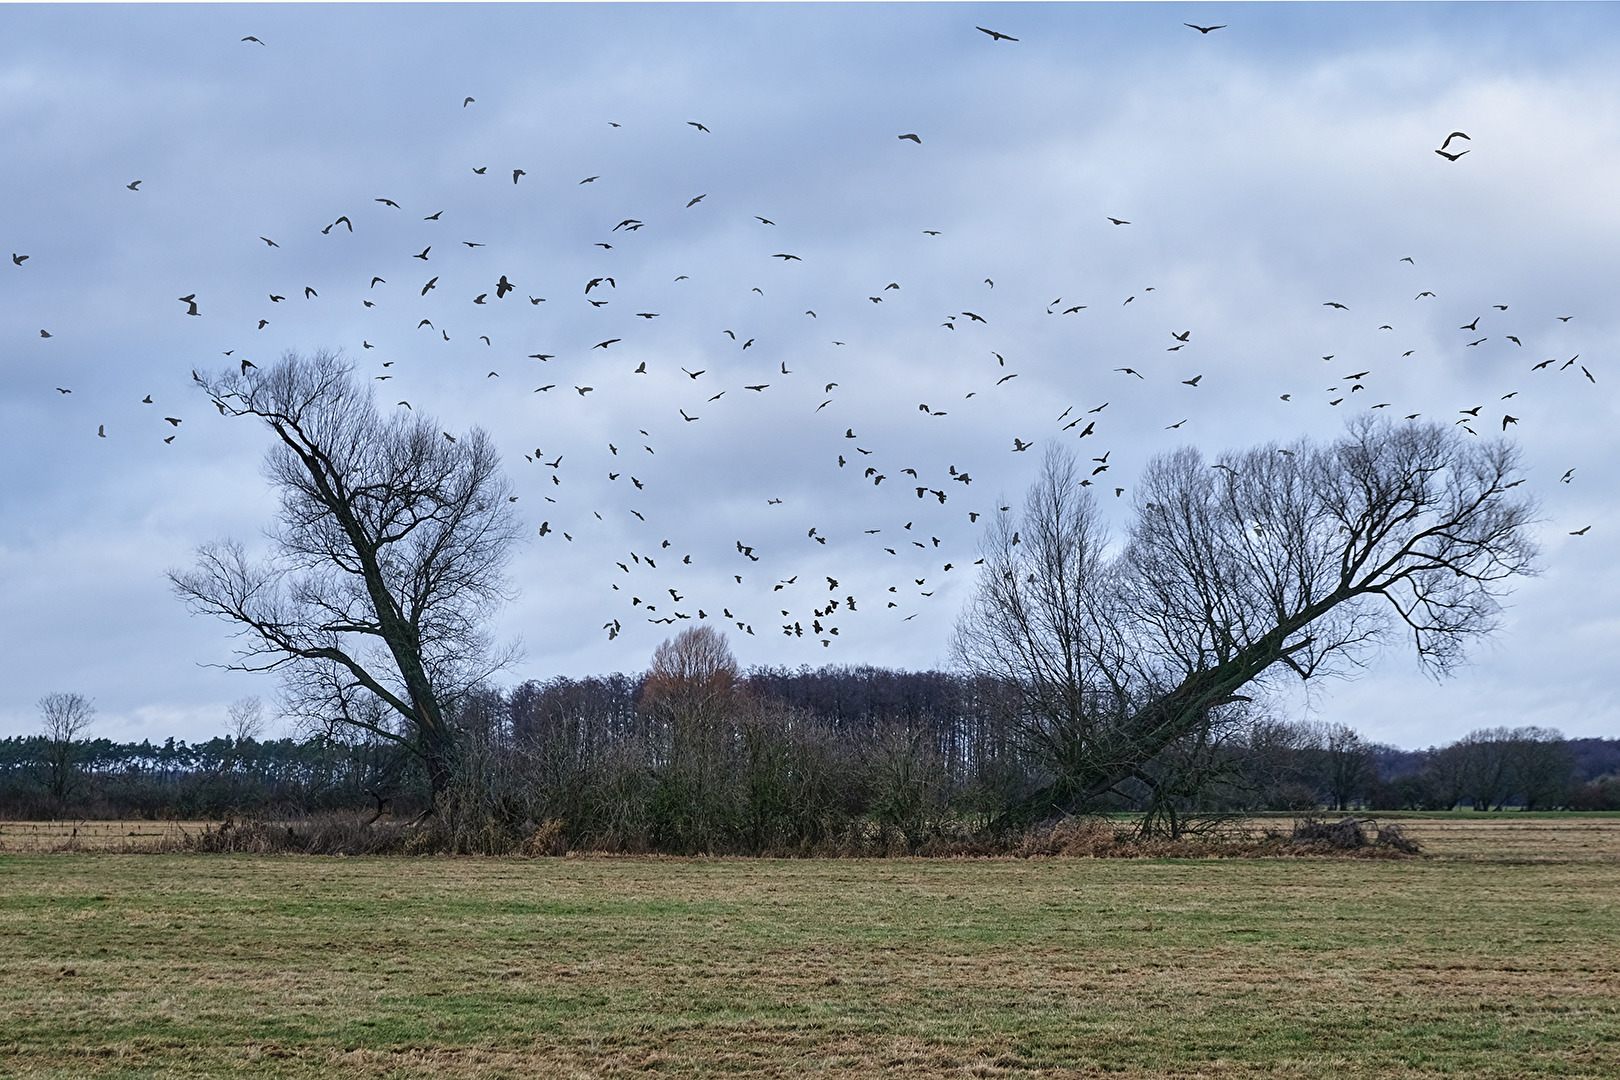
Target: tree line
[(696, 756)]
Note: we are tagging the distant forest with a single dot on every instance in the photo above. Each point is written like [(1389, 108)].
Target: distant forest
[(779, 765)]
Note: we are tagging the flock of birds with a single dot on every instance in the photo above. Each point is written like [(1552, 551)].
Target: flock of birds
[(928, 501)]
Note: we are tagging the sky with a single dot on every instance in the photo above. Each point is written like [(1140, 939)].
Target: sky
[(678, 152)]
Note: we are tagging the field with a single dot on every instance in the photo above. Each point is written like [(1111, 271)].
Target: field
[(1490, 960)]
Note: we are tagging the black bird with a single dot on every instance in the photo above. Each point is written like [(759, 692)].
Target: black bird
[(191, 301), (913, 137), (1451, 157), (700, 127), (481, 170), (1453, 135), (696, 200), (253, 39), (309, 292), (429, 285), (788, 258), (1118, 221), (605, 344), (134, 185), (424, 253), (517, 173), (18, 260), (387, 202), (433, 216), (1206, 29), (994, 34), (502, 287)]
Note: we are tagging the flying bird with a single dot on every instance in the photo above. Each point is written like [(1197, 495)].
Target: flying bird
[(134, 185), (913, 137), (517, 173), (1451, 157), (696, 200), (1453, 135), (995, 35), (1118, 221), (700, 127), (253, 39), (467, 101), (1206, 29), (1581, 531), (605, 344)]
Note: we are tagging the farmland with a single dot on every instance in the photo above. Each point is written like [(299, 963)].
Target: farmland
[(1496, 957)]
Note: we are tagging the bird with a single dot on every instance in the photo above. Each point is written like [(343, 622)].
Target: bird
[(1453, 135), (605, 344), (18, 260), (1335, 304), (1451, 157), (173, 420), (433, 216), (517, 173), (700, 127), (787, 258), (101, 430), (310, 293), (696, 199), (481, 170), (1118, 221), (695, 374), (502, 287), (1470, 326), (191, 301), (253, 39), (995, 35), (1506, 420), (387, 202), (913, 137), (1580, 532), (1206, 29), (1130, 371), (1019, 445), (433, 283), (1192, 381), (134, 185)]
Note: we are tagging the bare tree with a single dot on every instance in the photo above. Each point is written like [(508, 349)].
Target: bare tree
[(246, 719), (386, 559), (65, 718), (1276, 560)]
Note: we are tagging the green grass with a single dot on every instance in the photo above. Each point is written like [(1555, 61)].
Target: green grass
[(301, 967)]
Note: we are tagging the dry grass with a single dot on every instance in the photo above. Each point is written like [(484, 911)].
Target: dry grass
[(191, 966)]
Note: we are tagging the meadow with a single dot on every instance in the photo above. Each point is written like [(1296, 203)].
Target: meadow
[(1496, 955)]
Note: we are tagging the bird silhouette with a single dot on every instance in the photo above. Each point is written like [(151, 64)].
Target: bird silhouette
[(1451, 157), (700, 127), (1206, 29), (995, 35), (913, 137)]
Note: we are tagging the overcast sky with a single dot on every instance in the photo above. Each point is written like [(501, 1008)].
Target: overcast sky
[(1264, 169)]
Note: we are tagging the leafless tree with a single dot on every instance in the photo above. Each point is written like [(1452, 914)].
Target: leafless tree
[(65, 718), (386, 559), (1275, 560)]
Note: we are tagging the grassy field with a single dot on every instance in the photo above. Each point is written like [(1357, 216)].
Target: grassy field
[(1468, 964)]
